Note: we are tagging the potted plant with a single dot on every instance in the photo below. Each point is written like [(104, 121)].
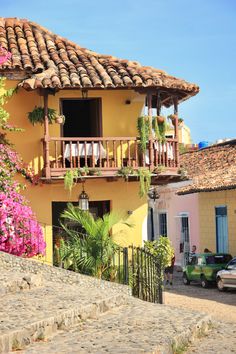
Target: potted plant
[(37, 116), (160, 119), (125, 172), (173, 118), (60, 119), (83, 171), (181, 122)]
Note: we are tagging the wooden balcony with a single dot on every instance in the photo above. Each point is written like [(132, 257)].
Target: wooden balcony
[(106, 154)]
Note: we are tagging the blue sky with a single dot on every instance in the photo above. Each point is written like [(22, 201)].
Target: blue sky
[(190, 39)]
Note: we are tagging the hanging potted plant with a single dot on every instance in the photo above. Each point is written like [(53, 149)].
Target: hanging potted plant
[(37, 115), (173, 118), (160, 119)]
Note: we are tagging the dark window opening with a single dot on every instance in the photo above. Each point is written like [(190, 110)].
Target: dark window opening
[(83, 117), (162, 224)]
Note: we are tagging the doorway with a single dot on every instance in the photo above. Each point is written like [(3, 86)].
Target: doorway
[(83, 117), (221, 229), (97, 209)]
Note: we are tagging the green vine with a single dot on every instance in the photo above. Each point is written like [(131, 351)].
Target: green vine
[(143, 126), (71, 177), (155, 127), (5, 94), (144, 181), (144, 132), (162, 128)]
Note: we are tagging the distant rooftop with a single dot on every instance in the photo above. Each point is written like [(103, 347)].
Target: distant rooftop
[(211, 169)]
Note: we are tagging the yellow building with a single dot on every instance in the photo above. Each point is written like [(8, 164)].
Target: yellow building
[(101, 97), (184, 134)]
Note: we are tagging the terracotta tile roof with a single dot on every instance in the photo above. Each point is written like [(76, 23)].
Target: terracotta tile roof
[(55, 62), (211, 169)]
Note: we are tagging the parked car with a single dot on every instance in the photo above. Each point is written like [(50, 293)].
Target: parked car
[(226, 278), (203, 267)]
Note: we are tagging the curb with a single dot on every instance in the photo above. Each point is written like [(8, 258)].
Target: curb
[(180, 342), (20, 338)]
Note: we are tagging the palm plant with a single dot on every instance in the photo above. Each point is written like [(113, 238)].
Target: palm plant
[(92, 249)]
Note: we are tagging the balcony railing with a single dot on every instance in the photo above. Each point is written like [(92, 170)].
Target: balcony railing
[(108, 153)]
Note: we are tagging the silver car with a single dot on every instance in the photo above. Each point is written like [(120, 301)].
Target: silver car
[(226, 278)]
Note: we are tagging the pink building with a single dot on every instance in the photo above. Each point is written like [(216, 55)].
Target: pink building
[(177, 217)]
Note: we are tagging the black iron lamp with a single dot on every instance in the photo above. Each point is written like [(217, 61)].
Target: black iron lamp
[(84, 200), (153, 194)]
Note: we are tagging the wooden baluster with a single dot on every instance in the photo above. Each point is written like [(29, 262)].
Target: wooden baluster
[(172, 154), (129, 161), (163, 154), (107, 153), (93, 157), (156, 153), (85, 154), (175, 101), (100, 153), (175, 144), (136, 153), (121, 152), (144, 159), (63, 155), (166, 154), (78, 155), (71, 163), (115, 154), (159, 153), (56, 154)]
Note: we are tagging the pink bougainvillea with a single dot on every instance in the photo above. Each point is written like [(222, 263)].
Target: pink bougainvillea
[(20, 233)]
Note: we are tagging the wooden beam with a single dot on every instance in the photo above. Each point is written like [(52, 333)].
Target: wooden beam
[(175, 101), (151, 155), (46, 137)]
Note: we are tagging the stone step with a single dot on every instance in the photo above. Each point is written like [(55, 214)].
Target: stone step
[(136, 327), (26, 324), (14, 282)]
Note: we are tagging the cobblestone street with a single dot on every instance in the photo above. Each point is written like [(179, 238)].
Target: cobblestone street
[(221, 306)]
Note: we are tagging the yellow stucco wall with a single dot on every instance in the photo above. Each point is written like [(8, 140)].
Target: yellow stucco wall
[(123, 196), (207, 204), (119, 119)]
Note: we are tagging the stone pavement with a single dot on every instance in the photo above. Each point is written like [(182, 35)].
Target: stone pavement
[(64, 312), (221, 306), (137, 327)]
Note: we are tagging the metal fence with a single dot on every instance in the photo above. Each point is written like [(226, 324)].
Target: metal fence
[(131, 266)]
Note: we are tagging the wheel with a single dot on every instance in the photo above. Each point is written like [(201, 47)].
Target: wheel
[(220, 284), (185, 279), (204, 282)]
